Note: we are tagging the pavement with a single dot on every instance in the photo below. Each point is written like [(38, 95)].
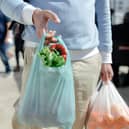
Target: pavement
[(9, 92)]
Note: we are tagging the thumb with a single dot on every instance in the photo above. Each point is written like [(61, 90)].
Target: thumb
[(51, 16), (40, 20)]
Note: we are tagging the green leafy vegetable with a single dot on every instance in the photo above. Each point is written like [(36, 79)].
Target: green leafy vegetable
[(52, 55)]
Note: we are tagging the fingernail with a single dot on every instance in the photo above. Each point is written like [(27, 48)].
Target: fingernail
[(58, 20), (54, 32)]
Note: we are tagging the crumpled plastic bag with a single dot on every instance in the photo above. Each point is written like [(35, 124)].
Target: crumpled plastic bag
[(49, 99), (108, 110)]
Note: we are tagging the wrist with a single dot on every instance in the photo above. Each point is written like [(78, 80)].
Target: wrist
[(106, 58), (35, 13), (27, 14)]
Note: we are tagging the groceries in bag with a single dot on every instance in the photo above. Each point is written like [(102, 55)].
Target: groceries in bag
[(49, 99), (109, 111), (53, 55)]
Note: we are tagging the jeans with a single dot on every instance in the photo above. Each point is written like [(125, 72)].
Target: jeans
[(4, 57)]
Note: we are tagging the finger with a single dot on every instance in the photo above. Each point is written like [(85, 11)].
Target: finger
[(40, 32), (51, 16), (53, 32), (46, 27), (46, 42), (54, 40), (107, 77), (50, 35), (110, 75), (104, 77)]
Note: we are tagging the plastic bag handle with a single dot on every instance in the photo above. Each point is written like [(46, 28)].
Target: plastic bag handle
[(99, 85), (42, 40)]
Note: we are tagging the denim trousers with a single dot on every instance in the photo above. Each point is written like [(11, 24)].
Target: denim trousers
[(4, 57)]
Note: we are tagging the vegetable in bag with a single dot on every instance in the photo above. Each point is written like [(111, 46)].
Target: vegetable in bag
[(49, 99), (53, 55), (109, 110)]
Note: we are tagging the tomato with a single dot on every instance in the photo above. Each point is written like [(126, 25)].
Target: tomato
[(53, 46), (64, 56), (58, 47), (61, 48)]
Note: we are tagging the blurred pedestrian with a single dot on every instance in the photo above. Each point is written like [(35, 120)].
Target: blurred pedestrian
[(17, 29), (3, 33), (126, 18)]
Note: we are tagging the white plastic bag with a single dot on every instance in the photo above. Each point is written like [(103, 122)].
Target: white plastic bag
[(93, 97), (109, 110)]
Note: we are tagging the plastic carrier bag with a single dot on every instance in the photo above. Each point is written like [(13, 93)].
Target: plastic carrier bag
[(109, 111), (49, 99), (93, 97)]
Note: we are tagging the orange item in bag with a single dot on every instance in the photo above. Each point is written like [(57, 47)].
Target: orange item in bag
[(92, 125), (97, 120), (116, 110), (121, 119), (107, 121), (94, 116), (120, 123)]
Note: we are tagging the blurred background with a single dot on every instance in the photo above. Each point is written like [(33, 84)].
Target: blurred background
[(12, 49), (120, 31), (119, 9)]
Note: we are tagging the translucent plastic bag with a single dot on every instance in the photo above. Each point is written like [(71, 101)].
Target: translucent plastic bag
[(93, 97), (109, 111), (49, 99)]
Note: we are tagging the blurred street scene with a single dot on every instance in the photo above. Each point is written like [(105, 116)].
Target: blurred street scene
[(120, 31), (9, 91)]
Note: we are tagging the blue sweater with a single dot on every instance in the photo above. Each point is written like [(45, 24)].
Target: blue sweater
[(77, 25)]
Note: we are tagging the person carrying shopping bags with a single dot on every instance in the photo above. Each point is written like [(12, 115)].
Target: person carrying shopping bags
[(87, 44)]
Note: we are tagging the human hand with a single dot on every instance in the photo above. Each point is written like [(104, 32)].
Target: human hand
[(41, 18), (50, 37), (106, 72)]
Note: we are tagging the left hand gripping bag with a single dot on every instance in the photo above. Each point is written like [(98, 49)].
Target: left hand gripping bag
[(49, 99)]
